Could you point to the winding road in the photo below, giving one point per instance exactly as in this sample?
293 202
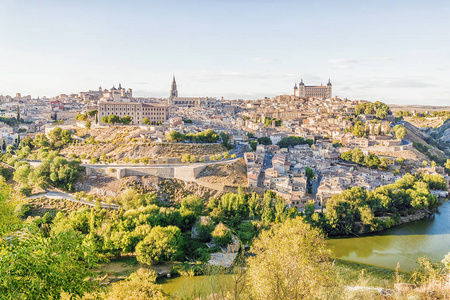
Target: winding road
61 195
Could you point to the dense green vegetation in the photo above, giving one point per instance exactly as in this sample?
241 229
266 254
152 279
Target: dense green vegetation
113 119
207 136
291 141
54 170
38 263
265 140
379 109
269 121
399 131
84 117
378 209
357 156
9 121
225 137
146 121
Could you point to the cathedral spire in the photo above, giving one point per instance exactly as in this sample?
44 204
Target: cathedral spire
173 90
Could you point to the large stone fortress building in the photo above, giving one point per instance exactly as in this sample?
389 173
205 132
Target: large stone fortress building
137 111
309 91
188 101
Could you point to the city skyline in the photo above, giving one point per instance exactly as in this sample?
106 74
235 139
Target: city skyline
393 52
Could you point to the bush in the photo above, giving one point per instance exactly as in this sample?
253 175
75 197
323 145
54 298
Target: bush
162 244
221 235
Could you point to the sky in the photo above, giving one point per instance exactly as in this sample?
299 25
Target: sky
394 51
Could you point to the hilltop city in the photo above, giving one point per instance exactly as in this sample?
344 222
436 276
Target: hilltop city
343 142
178 185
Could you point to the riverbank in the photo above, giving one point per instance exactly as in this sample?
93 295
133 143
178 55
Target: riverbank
406 219
419 236
189 287
347 274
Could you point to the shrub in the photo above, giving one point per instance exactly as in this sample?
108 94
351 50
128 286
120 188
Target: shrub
221 235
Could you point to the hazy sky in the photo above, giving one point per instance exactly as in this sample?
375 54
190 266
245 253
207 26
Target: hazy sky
394 51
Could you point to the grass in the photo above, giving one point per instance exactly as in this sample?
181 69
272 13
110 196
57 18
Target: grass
122 267
357 274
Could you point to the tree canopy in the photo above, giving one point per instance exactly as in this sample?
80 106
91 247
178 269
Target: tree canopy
291 141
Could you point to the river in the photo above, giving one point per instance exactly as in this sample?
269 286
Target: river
402 244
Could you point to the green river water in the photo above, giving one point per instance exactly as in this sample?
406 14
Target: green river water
402 244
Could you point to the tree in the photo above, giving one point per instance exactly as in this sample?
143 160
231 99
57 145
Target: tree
221 235
290 261
399 131
92 113
383 163
18 114
81 117
126 120
447 164
140 285
55 134
225 137
175 136
113 119
146 121
291 141
358 129
88 125
357 156
435 182
3 145
253 145
161 244
45 262
309 173
265 140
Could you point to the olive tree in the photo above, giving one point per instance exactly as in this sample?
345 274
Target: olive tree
290 262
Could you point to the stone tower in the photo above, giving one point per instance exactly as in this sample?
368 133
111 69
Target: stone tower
329 89
301 89
173 90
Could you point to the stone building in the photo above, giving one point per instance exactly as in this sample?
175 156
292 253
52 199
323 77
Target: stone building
137 111
309 91
188 101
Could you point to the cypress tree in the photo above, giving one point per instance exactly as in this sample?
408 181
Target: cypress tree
4 145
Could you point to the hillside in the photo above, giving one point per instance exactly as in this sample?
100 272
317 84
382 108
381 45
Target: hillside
212 182
425 143
120 142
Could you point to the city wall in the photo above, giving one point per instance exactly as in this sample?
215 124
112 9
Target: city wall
185 173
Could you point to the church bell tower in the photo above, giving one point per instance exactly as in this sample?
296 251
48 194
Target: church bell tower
173 90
